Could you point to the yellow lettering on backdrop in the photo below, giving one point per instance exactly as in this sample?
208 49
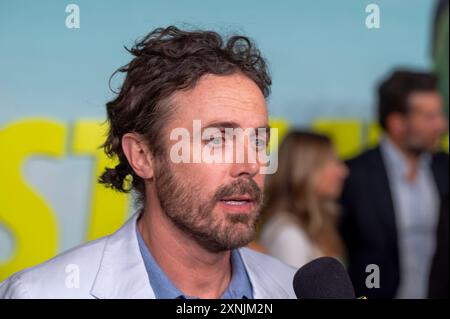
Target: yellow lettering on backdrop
108 209
282 126
374 133
345 134
23 211
445 143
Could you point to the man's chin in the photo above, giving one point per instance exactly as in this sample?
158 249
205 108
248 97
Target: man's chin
234 240
420 148
239 231
241 241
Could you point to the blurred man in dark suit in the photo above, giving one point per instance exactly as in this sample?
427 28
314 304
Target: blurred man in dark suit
392 197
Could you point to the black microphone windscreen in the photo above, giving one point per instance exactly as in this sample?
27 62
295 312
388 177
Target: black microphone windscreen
323 278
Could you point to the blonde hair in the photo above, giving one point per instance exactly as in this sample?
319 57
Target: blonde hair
291 189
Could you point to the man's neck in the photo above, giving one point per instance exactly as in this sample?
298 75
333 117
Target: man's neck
194 270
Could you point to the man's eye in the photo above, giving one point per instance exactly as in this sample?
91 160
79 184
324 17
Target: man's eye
259 143
216 140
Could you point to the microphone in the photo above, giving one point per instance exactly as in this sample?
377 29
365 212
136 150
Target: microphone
323 278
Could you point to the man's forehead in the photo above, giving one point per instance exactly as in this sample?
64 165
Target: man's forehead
230 99
425 100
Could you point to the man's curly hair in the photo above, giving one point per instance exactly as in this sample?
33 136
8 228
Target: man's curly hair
165 61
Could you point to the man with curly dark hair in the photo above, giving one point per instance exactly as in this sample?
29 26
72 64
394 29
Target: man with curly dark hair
195 214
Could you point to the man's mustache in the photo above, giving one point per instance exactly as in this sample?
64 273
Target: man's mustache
240 187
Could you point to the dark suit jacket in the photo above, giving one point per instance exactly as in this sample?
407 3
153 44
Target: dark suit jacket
439 277
368 225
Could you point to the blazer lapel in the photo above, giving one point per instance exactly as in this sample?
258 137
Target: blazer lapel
122 272
264 286
382 191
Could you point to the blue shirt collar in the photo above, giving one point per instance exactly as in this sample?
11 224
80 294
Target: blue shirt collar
240 286
397 161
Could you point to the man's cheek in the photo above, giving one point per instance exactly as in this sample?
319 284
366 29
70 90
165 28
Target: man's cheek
259 180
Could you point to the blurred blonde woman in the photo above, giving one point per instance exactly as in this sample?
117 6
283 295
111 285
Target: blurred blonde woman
300 212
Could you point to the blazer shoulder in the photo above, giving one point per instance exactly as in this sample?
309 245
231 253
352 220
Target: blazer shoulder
365 158
67 275
441 159
273 270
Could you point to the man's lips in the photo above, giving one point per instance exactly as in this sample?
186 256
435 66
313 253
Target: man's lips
238 203
238 198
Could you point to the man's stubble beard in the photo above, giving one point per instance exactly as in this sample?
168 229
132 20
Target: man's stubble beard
415 146
191 213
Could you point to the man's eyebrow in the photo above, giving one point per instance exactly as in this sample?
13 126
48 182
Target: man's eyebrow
221 125
230 124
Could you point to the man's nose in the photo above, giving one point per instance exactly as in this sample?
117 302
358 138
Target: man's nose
245 168
245 162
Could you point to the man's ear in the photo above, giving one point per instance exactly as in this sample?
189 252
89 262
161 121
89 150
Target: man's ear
138 155
396 122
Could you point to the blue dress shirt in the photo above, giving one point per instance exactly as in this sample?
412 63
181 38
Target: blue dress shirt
416 212
240 286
